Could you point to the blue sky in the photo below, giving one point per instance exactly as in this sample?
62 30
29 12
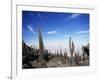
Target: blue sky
56 29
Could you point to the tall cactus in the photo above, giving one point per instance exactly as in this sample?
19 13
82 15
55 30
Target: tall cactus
71 48
60 50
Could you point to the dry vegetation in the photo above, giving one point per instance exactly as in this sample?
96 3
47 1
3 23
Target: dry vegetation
33 57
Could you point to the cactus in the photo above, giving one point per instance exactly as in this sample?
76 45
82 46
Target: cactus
71 48
65 54
57 53
61 52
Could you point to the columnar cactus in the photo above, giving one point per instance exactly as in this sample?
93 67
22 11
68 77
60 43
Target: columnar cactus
57 52
71 48
61 52
65 54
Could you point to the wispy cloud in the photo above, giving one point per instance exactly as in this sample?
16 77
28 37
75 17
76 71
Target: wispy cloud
31 29
51 32
82 32
74 16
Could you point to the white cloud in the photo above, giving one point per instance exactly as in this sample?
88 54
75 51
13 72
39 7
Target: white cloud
82 32
51 32
31 29
74 16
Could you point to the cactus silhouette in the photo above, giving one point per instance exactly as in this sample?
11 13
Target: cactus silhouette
71 48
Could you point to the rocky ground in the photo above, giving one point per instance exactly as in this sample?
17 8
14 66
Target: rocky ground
32 58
